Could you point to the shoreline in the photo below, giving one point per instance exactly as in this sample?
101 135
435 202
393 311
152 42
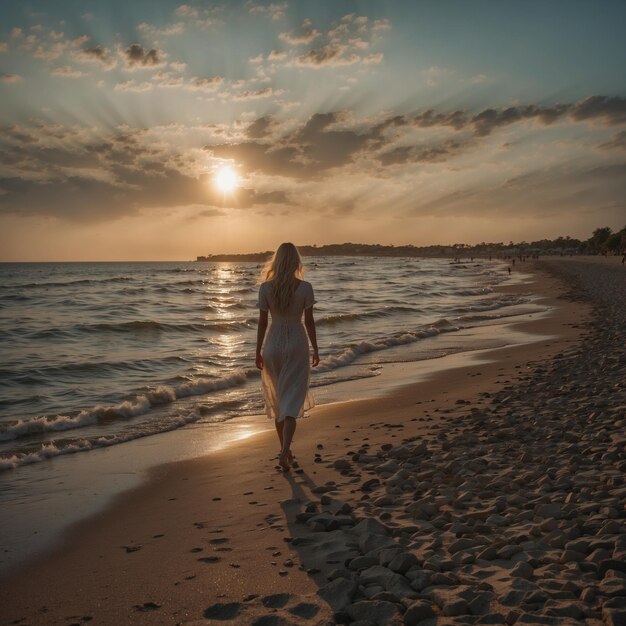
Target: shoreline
108 540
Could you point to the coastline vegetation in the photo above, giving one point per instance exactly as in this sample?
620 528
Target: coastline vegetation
602 241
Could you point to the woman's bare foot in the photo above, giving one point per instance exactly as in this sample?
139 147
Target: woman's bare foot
283 461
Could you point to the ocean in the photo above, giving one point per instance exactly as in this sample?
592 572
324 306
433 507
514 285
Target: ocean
107 369
97 354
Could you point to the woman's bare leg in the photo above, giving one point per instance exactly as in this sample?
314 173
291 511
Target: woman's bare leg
279 430
289 428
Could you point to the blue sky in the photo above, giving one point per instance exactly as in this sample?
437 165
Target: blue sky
390 122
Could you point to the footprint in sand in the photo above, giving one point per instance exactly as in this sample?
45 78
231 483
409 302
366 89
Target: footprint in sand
209 559
223 611
305 610
131 548
147 606
196 549
276 600
219 540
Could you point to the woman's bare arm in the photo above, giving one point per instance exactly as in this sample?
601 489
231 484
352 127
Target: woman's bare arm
260 336
309 323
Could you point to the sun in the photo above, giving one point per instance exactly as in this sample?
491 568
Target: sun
226 179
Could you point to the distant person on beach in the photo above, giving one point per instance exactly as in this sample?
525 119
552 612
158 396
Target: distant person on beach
284 357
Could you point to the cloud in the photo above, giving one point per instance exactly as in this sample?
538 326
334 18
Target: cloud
326 56
605 110
10 78
54 45
609 110
131 85
306 35
309 151
138 57
266 92
261 128
176 28
489 119
67 71
96 54
205 84
72 173
422 154
347 42
276 55
617 142
373 58
275 10
186 10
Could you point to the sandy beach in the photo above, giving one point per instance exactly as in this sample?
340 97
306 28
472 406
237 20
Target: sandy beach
488 494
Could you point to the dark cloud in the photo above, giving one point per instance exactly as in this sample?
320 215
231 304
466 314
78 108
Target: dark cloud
138 56
617 142
607 110
422 154
429 118
96 54
205 84
305 152
329 55
489 119
260 128
610 110
320 145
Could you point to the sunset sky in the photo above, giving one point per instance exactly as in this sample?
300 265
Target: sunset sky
375 121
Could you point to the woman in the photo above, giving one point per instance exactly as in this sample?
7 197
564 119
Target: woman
284 359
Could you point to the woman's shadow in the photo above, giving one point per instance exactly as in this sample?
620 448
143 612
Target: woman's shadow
318 551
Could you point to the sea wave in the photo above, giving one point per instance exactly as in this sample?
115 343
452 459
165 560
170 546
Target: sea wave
349 354
47 373
67 283
53 449
142 403
137 326
350 317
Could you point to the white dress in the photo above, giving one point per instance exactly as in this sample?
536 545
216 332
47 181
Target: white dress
286 365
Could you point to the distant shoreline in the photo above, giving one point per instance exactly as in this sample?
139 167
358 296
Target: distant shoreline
377 250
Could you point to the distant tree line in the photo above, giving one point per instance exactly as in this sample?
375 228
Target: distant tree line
605 241
602 241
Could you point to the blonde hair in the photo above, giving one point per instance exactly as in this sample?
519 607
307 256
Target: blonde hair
284 270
